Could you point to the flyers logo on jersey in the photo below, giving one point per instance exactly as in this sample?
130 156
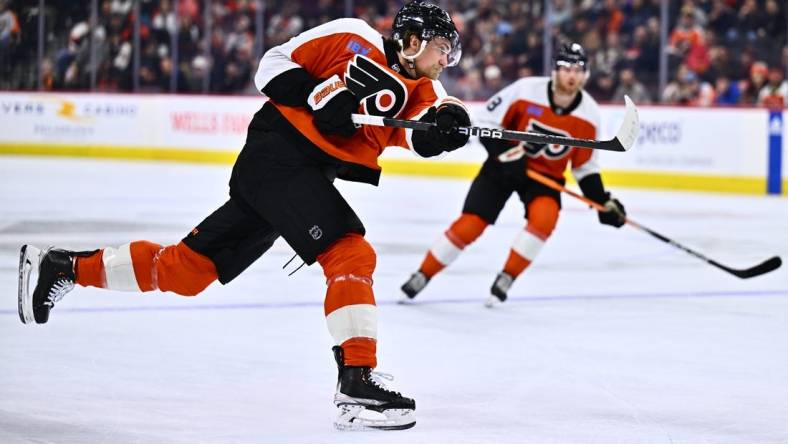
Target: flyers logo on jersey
380 92
548 150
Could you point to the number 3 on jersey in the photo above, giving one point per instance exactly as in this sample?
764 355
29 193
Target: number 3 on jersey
380 92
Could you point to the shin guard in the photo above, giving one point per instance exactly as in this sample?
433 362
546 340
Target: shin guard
350 308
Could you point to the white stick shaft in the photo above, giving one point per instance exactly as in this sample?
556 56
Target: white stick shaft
364 119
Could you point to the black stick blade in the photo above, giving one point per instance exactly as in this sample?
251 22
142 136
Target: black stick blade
764 267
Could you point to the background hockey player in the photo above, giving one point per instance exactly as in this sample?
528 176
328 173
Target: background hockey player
556 105
281 185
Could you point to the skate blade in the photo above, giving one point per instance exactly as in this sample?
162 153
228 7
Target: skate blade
492 302
29 257
404 299
354 418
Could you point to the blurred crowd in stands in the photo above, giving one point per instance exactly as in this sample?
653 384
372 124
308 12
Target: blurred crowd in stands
719 52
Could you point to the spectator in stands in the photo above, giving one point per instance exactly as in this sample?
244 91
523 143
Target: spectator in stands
9 42
628 85
720 64
608 57
636 14
470 86
751 87
492 79
722 21
775 93
716 39
686 34
285 24
644 53
9 26
164 21
697 57
165 68
750 20
602 85
726 92
688 89
47 75
70 60
774 22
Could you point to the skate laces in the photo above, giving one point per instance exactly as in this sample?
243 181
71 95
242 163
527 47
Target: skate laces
379 378
59 289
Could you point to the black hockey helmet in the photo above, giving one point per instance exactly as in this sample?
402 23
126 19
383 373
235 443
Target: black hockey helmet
571 54
427 21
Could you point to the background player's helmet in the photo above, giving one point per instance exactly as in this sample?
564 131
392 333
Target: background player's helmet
571 54
427 21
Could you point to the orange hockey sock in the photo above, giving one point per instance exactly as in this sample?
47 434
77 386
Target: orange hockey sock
466 229
431 266
515 264
146 266
542 218
349 306
89 270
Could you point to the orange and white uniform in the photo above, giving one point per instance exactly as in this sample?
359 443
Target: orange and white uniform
352 50
281 182
525 105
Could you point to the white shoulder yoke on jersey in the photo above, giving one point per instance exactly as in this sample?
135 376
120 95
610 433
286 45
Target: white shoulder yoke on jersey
279 58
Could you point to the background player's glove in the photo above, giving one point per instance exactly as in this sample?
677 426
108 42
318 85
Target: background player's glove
447 116
512 158
332 104
614 213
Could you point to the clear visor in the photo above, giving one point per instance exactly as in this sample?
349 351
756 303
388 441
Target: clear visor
569 65
450 46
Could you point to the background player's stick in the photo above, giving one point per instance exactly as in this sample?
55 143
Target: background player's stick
757 270
627 133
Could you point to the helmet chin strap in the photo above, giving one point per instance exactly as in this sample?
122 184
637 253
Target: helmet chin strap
410 59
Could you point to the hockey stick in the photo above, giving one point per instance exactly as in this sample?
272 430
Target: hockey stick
627 133
766 266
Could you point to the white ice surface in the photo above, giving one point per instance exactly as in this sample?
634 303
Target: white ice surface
610 337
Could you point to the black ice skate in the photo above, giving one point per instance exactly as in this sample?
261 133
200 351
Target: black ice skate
54 271
413 286
364 403
501 286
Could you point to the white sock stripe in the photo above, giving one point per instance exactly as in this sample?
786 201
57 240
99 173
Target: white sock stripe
527 245
353 321
444 250
118 269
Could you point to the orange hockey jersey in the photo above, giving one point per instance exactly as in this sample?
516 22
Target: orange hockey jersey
355 52
525 106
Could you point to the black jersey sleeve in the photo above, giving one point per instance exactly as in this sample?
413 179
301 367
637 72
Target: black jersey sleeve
291 87
592 188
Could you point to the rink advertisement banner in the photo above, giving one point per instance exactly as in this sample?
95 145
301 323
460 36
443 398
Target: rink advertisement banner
119 120
693 148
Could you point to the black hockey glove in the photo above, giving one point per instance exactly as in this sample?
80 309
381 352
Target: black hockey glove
505 152
614 213
332 104
443 137
448 117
